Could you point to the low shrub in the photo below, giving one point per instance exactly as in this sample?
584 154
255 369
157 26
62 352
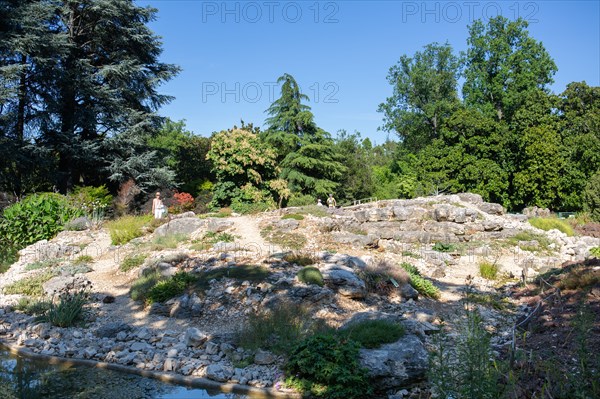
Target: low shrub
552 223
380 277
310 275
68 309
140 287
293 216
443 247
32 307
36 217
580 279
131 262
314 210
83 259
520 239
299 259
595 252
419 283
374 333
31 286
278 330
126 228
44 264
293 241
300 200
73 269
170 241
171 287
327 366
9 254
488 270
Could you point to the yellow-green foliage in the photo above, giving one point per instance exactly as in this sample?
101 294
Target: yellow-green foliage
310 275
31 286
552 223
595 252
132 261
127 228
488 270
167 241
419 283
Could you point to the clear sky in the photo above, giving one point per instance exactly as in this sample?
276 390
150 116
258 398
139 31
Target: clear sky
339 52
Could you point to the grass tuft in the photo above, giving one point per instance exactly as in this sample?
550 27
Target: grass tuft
552 223
488 270
131 262
374 333
127 228
31 286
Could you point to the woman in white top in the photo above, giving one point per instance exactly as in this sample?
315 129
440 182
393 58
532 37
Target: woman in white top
158 208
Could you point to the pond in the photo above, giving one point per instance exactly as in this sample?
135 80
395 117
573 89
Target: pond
24 378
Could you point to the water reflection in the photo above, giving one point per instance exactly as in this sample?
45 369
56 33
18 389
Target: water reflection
23 378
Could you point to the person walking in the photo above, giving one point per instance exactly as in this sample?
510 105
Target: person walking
331 201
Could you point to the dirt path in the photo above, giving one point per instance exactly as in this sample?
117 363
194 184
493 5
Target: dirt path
248 236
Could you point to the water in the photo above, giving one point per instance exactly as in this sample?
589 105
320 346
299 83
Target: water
23 378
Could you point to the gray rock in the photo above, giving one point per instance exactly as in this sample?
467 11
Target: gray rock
160 309
79 224
183 215
286 225
492 209
183 226
139 346
264 357
170 364
111 330
60 283
212 348
408 292
218 225
343 279
219 372
471 198
354 239
194 337
397 364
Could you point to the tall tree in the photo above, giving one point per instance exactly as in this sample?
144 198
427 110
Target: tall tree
94 74
425 94
502 65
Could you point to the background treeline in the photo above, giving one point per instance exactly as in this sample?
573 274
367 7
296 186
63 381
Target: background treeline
79 95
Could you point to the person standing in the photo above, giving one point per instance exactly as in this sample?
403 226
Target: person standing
319 203
158 208
331 201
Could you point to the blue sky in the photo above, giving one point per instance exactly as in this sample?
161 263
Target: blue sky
339 52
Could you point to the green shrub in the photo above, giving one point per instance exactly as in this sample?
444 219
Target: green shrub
470 373
32 307
73 269
419 283
44 264
37 217
293 216
173 286
67 310
374 333
8 255
140 287
31 286
131 262
252 273
91 199
310 275
83 259
488 270
167 241
552 223
326 365
444 247
595 252
278 330
314 210
527 236
301 200
127 228
299 259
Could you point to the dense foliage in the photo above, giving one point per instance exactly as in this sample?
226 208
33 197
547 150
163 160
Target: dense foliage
79 96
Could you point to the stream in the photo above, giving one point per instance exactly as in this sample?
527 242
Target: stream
24 378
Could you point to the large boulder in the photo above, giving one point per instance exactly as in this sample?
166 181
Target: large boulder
397 364
185 226
343 280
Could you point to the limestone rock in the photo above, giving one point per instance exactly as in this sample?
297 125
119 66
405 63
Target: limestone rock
185 226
